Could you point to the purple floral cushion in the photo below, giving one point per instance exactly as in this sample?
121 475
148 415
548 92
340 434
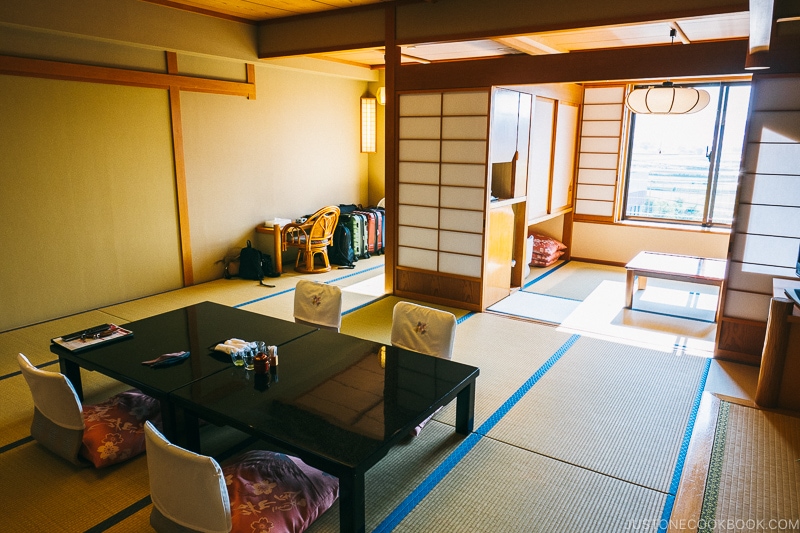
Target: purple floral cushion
273 492
115 428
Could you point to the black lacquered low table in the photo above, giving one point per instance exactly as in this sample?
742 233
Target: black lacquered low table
337 402
196 329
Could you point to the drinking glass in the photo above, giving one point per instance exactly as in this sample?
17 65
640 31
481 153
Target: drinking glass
247 357
236 357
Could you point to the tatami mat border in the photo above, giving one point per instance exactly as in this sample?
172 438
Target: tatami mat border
327 282
554 296
18 372
687 436
120 516
539 278
424 488
670 315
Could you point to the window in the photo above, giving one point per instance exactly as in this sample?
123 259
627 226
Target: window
684 168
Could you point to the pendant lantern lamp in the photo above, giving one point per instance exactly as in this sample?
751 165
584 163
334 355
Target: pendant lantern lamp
666 99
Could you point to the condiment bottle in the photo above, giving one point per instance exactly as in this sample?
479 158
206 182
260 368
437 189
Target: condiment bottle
273 356
261 362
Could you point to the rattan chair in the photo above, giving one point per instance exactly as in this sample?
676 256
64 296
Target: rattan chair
311 238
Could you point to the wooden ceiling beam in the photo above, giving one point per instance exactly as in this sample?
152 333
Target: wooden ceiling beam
702 59
40 68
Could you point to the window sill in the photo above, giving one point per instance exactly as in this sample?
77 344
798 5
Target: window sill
671 226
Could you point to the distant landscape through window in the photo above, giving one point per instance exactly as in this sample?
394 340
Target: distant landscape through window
675 173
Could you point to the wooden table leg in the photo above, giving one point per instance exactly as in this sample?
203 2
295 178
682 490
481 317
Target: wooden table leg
352 514
72 371
276 236
629 289
465 410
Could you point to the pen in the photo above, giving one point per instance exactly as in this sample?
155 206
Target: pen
85 332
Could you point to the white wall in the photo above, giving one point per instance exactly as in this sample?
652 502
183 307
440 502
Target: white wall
619 243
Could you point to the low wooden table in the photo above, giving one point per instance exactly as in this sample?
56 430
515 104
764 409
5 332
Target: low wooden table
275 230
676 268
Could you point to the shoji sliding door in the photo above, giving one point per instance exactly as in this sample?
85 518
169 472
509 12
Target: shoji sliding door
442 176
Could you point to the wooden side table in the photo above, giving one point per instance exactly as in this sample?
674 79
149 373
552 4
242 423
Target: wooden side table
275 230
676 268
780 359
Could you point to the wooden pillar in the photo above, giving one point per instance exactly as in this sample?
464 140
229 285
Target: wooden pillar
774 354
180 172
392 62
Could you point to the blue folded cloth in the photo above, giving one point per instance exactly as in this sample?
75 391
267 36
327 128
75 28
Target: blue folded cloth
166 360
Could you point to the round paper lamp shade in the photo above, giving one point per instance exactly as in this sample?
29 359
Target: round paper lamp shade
667 100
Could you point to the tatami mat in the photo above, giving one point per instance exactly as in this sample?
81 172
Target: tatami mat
582 450
573 280
614 409
603 314
502 488
755 477
507 351
539 307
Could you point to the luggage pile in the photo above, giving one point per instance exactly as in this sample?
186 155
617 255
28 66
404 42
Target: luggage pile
359 234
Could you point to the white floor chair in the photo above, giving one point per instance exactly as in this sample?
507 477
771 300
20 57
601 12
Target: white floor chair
318 304
424 330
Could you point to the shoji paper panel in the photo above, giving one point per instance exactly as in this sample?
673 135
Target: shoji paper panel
421 105
463 197
766 236
463 265
598 161
411 215
420 128
466 103
464 128
419 150
419 194
460 220
463 175
462 243
410 172
418 237
416 258
442 175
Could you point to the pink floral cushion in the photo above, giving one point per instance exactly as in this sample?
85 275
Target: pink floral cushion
544 245
541 260
273 492
115 428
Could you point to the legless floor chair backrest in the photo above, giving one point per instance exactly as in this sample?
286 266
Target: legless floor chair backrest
187 489
257 491
318 304
57 417
102 434
424 330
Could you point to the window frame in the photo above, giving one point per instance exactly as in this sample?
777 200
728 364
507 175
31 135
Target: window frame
714 168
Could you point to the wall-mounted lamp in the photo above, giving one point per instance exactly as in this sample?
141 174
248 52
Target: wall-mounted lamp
368 124
381 95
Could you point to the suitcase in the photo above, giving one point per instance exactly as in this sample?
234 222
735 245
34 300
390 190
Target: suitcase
380 230
356 224
371 226
363 224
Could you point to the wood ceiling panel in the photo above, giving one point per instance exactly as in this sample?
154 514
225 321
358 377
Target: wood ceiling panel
716 28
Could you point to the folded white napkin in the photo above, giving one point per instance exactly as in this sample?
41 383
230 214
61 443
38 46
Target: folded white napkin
234 345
